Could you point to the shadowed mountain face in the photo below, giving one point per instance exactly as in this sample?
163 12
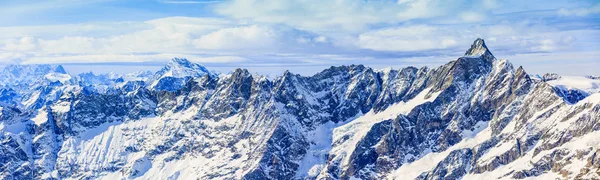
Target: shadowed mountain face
474 117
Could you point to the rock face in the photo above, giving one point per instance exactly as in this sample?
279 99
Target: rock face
570 95
474 117
550 76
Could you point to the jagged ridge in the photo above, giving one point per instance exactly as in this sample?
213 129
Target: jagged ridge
476 116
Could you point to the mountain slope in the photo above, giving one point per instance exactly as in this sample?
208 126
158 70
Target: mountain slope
474 117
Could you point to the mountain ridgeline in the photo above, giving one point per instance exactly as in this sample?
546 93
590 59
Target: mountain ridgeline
474 117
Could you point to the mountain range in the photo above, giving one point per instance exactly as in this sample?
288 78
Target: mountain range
474 117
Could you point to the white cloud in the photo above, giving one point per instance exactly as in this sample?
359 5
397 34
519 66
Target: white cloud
501 30
321 39
146 41
546 45
416 9
595 9
472 17
69 44
251 31
317 15
317 39
408 38
111 58
22 44
248 37
503 38
490 4
352 15
219 37
174 35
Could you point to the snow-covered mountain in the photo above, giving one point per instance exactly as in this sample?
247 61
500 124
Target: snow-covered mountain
571 88
176 73
475 117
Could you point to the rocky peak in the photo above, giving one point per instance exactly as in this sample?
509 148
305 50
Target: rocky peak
522 74
183 62
241 72
550 76
242 81
479 49
176 73
181 67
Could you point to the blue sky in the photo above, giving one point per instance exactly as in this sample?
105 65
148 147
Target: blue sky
304 36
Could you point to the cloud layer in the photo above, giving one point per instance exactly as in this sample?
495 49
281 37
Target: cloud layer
311 33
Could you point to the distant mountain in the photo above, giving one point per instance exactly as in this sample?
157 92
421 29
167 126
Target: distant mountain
476 117
138 76
572 88
181 67
27 74
176 73
550 77
593 77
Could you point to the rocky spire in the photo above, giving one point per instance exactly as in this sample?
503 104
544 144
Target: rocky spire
479 49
